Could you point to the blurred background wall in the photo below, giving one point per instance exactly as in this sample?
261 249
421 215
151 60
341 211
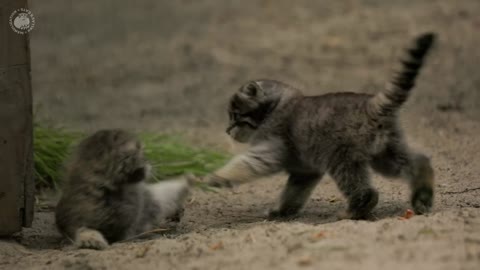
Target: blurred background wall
171 65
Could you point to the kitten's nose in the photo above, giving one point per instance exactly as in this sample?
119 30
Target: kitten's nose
137 175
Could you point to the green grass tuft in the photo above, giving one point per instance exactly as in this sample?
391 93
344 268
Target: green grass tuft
168 155
51 148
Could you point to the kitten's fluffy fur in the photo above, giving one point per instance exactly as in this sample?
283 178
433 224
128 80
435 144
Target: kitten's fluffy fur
105 198
342 134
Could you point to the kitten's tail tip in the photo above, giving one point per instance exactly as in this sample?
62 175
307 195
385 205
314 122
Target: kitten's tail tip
426 39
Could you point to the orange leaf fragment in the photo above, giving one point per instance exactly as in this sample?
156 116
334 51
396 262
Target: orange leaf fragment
319 235
217 246
408 214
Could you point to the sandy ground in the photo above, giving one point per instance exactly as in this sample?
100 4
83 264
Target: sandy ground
170 66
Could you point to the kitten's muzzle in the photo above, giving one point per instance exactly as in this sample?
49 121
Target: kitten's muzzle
230 127
240 124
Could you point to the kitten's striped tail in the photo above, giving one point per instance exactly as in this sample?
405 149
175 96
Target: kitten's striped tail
387 102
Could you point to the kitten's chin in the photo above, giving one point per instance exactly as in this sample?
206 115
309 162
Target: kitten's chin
241 135
240 139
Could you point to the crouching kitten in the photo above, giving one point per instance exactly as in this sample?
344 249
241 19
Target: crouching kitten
105 198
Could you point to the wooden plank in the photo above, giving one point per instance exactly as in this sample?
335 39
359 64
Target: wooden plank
16 154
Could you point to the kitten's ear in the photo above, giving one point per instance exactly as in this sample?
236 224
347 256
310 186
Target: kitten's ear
251 89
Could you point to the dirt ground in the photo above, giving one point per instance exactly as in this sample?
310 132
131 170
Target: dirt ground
170 66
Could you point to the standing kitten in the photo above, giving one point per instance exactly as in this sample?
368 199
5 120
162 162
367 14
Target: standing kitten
338 133
105 198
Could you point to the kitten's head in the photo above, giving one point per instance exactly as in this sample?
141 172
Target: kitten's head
248 108
115 155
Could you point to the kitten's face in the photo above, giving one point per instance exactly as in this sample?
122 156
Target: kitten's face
115 154
247 110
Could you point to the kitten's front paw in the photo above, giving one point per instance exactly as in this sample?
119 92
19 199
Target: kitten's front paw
275 213
191 179
217 181
91 239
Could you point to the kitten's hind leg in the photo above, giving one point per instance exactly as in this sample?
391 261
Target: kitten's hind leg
353 180
397 161
422 181
89 238
295 194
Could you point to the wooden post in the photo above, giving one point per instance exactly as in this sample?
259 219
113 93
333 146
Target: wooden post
16 154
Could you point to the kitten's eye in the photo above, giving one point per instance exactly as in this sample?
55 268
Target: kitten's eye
251 90
235 116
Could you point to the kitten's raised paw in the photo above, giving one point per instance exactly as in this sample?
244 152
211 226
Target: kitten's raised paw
422 200
177 216
91 239
191 179
216 181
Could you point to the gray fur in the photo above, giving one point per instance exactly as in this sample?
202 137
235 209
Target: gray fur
342 134
105 198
